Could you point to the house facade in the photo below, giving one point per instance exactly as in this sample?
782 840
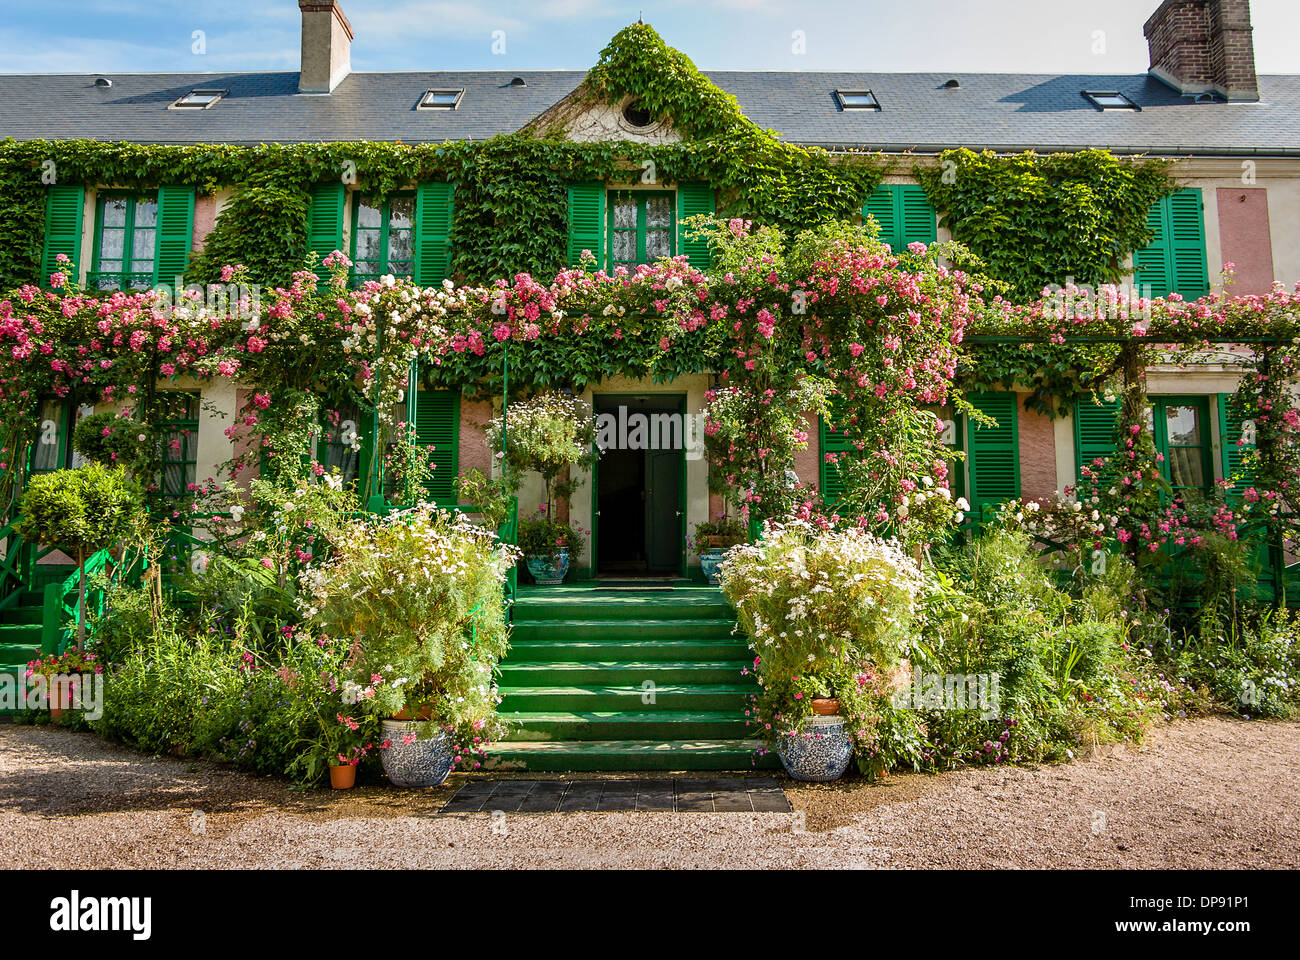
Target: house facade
1234 138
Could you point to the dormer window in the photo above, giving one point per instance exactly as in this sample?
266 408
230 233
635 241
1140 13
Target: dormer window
198 99
441 99
857 100
1109 100
637 115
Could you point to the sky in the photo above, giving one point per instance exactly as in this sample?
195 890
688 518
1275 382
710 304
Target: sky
990 36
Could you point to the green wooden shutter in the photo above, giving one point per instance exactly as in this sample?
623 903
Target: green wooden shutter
1187 233
1232 451
437 423
175 236
880 207
586 221
693 199
325 223
1094 430
904 213
63 210
830 483
1175 260
434 209
916 215
1151 263
994 452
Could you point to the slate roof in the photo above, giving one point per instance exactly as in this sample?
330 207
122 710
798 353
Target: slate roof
1000 111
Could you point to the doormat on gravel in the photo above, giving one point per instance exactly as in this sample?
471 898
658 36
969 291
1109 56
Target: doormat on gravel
716 795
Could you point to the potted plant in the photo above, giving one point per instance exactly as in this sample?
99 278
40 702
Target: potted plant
84 511
549 434
420 591
547 545
712 539
61 676
824 702
828 612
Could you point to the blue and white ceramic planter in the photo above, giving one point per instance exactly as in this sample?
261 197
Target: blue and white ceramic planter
819 752
710 561
420 763
549 571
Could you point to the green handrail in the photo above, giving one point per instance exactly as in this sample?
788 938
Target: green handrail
57 632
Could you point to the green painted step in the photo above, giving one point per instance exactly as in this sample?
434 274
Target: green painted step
596 697
580 603
23 614
20 633
18 654
569 755
625 650
622 725
662 628
621 674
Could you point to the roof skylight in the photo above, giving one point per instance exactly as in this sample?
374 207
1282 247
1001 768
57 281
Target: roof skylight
198 99
857 100
441 99
1109 100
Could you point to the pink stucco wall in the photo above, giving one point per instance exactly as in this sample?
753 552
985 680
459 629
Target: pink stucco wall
246 442
205 218
1037 453
807 463
1244 238
474 453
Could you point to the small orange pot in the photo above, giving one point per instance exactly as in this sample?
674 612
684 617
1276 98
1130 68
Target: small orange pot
343 776
60 696
826 706
424 713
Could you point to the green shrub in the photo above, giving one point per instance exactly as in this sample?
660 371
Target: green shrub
112 439
1066 679
82 511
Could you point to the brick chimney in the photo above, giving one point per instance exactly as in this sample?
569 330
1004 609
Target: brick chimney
326 46
1204 46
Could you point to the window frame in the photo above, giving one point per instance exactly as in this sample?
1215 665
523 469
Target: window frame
187 429
326 443
1160 404
642 197
841 97
385 227
1126 102
185 103
425 101
95 274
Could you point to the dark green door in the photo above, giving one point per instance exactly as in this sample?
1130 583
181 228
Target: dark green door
663 527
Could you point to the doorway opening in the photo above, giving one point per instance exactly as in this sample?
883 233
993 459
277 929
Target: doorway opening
639 486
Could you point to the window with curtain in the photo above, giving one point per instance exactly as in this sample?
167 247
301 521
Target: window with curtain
179 417
126 229
383 237
642 227
1181 429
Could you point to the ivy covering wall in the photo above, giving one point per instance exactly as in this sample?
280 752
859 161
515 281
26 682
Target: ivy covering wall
1029 220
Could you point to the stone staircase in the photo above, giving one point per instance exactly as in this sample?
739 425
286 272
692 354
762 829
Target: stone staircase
616 678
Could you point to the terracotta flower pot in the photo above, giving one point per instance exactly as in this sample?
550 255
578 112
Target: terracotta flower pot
407 713
826 706
60 696
343 776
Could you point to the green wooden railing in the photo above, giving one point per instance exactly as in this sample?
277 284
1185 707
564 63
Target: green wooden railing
14 569
57 610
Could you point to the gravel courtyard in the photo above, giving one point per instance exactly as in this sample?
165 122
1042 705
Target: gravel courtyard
1210 793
